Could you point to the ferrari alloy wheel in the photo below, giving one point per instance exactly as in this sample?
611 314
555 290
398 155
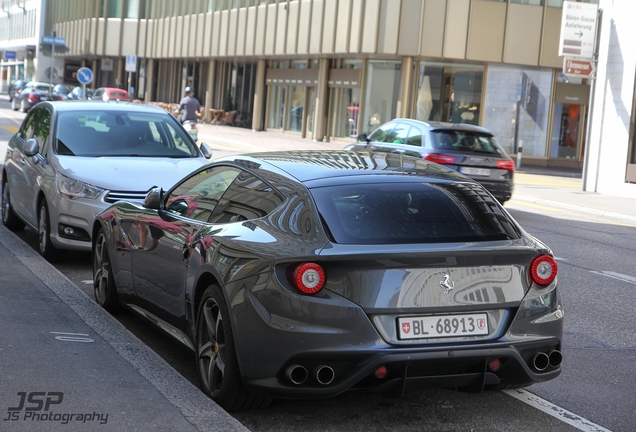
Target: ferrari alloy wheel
216 357
103 282
9 218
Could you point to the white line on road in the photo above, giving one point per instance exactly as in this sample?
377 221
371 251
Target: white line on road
621 277
87 282
555 411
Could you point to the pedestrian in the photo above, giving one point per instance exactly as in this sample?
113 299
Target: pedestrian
189 106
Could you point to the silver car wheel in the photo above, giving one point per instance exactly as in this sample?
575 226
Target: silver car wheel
23 107
14 105
43 228
9 218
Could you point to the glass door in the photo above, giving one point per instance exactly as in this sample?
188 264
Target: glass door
566 131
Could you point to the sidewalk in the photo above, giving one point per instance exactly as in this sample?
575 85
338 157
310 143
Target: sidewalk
67 365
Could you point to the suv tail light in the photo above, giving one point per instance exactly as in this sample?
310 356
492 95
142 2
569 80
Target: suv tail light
543 269
440 158
506 164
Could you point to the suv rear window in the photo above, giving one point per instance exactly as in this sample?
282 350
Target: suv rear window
401 213
465 141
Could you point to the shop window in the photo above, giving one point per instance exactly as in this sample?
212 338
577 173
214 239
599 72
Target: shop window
449 93
518 102
381 93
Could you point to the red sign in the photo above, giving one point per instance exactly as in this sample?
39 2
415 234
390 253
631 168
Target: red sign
580 68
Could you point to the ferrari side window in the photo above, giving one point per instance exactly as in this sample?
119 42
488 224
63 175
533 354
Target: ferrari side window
247 198
197 196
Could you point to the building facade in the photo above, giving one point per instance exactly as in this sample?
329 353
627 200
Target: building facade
332 69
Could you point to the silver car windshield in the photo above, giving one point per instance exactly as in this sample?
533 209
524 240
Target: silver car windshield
119 133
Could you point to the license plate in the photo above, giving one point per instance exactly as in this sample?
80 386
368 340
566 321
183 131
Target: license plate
424 327
44 98
475 171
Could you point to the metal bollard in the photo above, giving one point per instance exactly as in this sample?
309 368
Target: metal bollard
519 154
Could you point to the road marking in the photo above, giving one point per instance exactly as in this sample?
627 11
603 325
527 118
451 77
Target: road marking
72 337
621 277
11 129
563 213
87 282
555 411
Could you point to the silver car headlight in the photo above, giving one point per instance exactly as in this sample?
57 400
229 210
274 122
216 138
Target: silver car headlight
73 189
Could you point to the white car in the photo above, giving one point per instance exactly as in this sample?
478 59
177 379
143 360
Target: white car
70 160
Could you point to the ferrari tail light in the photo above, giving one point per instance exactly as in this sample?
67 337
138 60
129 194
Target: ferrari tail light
543 269
440 158
32 98
506 164
309 278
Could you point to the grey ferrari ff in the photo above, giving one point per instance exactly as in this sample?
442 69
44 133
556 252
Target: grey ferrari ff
306 274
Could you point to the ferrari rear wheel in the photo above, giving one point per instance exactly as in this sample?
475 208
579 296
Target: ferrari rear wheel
14 104
103 282
217 365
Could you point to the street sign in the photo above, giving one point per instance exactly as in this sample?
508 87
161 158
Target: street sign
578 29
52 40
131 63
85 75
578 67
9 55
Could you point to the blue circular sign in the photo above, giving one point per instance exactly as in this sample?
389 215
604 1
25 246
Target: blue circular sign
85 75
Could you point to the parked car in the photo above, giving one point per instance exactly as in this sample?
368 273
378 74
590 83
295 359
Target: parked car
471 150
306 274
77 93
32 93
62 90
70 160
15 87
109 94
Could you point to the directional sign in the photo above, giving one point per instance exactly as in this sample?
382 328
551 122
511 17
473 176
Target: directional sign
9 55
131 63
52 40
85 75
578 29
578 67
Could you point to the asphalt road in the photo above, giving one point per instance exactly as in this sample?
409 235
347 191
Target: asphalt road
594 392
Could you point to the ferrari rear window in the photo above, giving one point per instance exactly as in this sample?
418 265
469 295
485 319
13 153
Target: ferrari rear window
412 213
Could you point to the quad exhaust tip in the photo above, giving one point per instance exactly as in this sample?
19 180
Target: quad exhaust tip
297 374
324 374
541 361
555 358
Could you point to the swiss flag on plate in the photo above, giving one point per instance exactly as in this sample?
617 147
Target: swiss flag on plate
406 328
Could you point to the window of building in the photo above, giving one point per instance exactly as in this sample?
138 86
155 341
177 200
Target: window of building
559 3
528 2
381 93
518 102
448 92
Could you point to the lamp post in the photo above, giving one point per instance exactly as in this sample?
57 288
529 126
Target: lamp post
53 34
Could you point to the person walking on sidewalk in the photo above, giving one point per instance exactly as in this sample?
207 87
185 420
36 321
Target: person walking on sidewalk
189 106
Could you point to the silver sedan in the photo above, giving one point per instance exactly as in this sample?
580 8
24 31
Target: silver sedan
70 160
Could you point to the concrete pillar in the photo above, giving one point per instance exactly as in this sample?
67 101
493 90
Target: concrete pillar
150 80
404 102
258 111
322 96
209 93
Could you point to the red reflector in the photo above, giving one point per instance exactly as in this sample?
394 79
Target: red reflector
494 365
440 159
309 278
543 269
506 164
380 372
